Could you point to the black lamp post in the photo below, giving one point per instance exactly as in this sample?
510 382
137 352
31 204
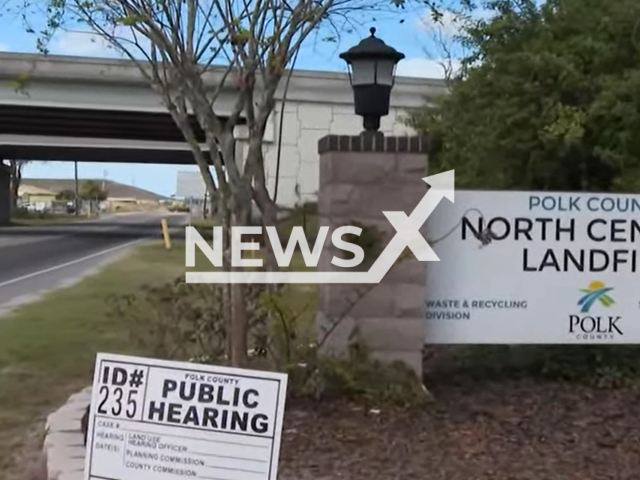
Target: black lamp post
372 65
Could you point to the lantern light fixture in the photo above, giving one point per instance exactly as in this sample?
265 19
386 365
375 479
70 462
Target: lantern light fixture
372 64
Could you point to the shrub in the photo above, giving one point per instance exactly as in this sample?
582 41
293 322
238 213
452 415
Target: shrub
355 376
598 365
359 378
23 213
179 208
183 321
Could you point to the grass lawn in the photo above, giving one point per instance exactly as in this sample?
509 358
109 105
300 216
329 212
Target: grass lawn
47 348
487 427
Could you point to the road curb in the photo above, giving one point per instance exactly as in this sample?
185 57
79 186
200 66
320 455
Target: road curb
63 444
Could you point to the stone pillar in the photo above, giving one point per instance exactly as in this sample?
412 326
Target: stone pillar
5 195
360 177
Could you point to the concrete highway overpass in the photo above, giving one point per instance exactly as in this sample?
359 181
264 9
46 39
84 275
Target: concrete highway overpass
101 110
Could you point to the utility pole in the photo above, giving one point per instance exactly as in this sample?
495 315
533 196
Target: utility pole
76 202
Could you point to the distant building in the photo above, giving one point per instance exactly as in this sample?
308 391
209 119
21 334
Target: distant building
119 196
37 197
190 185
192 191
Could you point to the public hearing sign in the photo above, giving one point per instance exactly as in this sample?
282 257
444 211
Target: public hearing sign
533 267
160 420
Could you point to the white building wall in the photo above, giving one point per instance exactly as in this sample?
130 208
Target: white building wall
303 125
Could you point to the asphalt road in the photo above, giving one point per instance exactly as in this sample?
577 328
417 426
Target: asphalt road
35 259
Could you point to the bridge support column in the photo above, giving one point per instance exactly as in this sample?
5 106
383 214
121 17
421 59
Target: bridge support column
5 194
360 177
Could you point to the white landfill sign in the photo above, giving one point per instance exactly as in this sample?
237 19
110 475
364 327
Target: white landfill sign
160 420
534 268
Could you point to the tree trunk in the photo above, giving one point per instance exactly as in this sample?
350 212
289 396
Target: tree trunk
239 330
226 266
270 219
239 327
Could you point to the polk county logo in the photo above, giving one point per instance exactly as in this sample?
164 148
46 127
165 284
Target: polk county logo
594 327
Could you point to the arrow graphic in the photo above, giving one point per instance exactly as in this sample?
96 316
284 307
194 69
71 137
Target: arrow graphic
407 235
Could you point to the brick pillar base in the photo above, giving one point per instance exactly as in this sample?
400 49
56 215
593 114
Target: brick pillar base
360 177
5 195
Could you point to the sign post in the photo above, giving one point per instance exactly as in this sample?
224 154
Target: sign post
161 420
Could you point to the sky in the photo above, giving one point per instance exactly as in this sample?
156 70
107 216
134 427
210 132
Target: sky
416 36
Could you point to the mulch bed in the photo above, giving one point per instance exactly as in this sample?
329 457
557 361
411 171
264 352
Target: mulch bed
507 430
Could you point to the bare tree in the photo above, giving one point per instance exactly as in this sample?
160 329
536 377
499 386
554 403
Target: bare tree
190 51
